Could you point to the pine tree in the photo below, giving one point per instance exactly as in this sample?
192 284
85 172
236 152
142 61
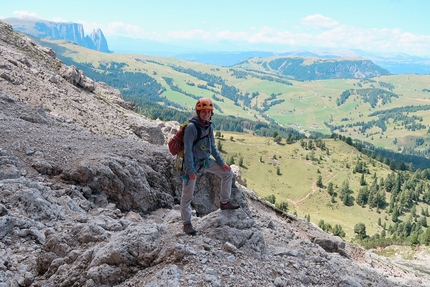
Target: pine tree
345 192
395 215
330 189
319 181
289 138
271 198
360 230
283 206
362 196
427 236
231 160
362 180
219 146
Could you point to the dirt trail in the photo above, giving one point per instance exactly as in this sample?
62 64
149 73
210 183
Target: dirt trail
329 176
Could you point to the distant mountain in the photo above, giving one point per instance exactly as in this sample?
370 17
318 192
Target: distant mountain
395 64
60 31
403 64
227 59
313 68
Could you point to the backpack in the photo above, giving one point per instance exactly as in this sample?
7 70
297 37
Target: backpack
176 143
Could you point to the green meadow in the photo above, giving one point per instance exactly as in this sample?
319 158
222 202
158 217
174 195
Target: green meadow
296 181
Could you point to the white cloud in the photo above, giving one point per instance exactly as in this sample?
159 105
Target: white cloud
333 35
389 40
117 29
319 21
59 19
192 34
20 13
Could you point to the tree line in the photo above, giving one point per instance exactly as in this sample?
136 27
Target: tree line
369 95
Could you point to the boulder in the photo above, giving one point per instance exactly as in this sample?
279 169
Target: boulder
235 227
9 167
207 198
125 181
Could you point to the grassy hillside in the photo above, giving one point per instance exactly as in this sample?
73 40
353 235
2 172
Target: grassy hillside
319 105
296 181
290 173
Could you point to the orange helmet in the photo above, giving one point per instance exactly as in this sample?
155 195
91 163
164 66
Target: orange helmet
204 104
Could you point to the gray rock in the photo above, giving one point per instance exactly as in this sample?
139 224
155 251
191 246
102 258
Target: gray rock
122 180
6 225
37 204
288 252
90 233
229 247
168 276
3 210
9 167
71 74
33 233
206 195
233 226
279 282
332 244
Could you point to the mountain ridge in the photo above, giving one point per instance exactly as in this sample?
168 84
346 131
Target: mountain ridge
395 64
305 68
60 31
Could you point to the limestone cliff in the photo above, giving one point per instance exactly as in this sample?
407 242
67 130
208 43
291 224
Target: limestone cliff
60 31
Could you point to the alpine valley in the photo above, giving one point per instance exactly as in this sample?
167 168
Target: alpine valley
330 156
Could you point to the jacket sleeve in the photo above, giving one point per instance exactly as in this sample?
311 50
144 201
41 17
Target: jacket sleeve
189 137
214 151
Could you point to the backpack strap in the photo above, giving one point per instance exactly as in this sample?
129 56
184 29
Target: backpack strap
198 138
199 134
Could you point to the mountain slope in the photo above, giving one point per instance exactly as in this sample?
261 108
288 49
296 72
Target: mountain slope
395 64
89 198
309 69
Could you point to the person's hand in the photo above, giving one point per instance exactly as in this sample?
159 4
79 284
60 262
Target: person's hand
226 167
192 176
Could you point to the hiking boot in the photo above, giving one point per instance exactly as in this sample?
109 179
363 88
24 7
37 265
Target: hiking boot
228 205
188 229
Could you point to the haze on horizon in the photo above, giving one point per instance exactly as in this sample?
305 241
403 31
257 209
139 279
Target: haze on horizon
384 26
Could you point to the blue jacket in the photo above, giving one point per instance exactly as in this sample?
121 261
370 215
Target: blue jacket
195 156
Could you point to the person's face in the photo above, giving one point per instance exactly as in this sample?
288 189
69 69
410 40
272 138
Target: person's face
205 115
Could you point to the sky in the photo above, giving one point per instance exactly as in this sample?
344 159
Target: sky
387 26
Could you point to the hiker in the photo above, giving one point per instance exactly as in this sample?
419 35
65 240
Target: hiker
197 160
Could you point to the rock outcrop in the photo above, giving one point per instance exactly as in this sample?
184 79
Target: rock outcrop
89 197
60 31
97 41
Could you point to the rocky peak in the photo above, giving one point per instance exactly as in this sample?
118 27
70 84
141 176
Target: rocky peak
60 31
89 197
97 41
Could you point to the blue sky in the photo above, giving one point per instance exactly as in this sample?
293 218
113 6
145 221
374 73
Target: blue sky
394 26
